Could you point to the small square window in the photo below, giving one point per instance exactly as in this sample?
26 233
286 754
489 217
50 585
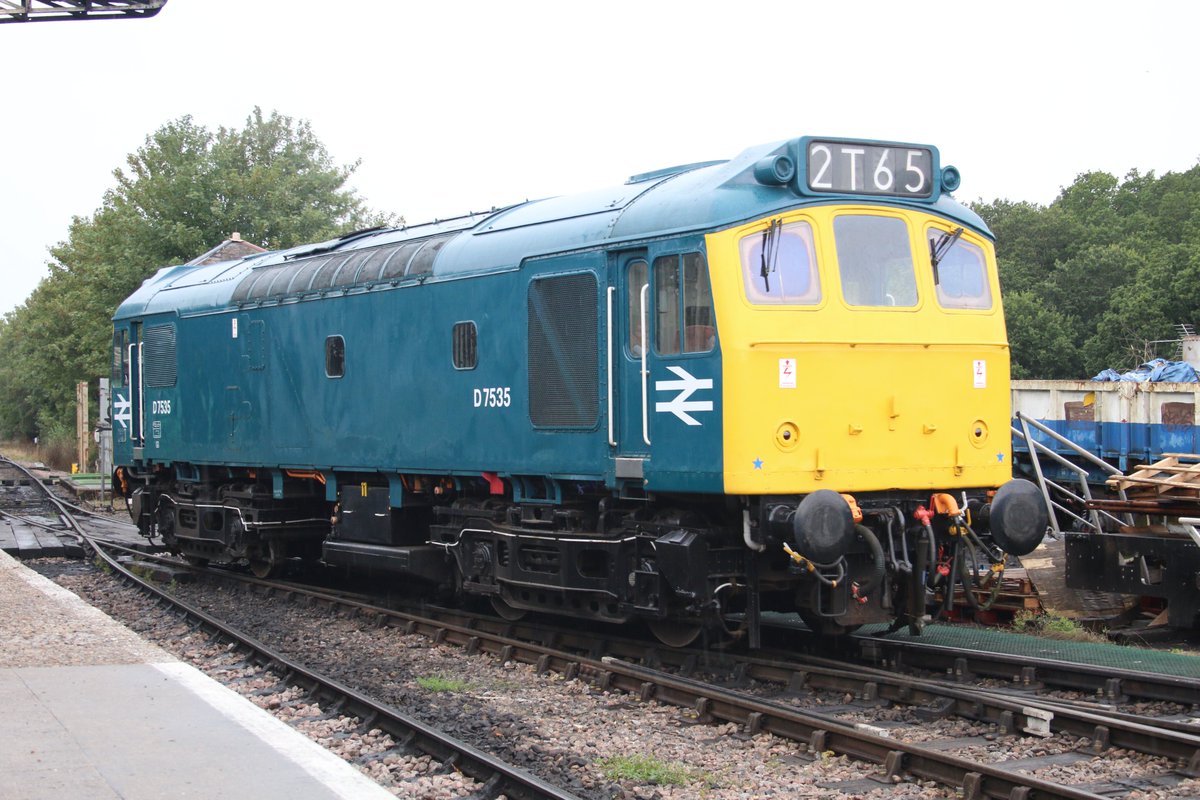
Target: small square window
335 356
465 353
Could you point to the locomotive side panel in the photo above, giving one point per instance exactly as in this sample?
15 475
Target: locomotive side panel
368 383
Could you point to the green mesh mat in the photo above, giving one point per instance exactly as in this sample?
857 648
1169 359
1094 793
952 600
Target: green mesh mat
1134 659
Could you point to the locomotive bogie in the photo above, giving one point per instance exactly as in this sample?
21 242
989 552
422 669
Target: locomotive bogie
230 520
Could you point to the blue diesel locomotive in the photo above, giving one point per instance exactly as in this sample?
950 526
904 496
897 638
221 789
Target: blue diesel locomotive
778 382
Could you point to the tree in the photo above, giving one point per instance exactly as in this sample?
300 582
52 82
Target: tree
1029 239
1111 264
1040 338
182 192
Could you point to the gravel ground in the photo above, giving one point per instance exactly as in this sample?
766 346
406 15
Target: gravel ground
568 732
39 626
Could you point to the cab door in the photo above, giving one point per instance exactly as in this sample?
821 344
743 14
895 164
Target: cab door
630 354
137 394
666 367
127 397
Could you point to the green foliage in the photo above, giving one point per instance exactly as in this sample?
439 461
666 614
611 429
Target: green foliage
439 683
1101 276
185 190
1039 335
645 770
1052 626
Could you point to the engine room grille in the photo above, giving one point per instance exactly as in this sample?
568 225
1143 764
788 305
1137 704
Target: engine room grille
159 363
345 270
464 345
564 382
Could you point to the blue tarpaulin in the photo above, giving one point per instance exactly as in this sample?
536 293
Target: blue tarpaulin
1157 370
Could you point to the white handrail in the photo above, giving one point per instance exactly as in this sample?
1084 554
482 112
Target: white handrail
141 395
612 437
645 373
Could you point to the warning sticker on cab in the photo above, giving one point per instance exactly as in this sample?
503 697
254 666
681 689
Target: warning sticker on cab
787 373
979 370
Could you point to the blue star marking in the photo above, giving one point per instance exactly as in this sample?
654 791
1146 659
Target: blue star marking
758 462
1000 457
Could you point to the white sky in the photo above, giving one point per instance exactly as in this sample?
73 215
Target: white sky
459 106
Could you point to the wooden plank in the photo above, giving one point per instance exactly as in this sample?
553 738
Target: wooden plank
1161 477
1150 470
71 547
1003 601
8 539
51 546
1148 482
26 541
1181 468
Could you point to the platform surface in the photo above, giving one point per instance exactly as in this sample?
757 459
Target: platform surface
92 711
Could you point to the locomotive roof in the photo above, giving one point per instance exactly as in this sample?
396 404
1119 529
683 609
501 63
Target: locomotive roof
693 197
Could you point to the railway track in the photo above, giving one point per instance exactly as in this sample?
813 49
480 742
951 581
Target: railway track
1109 682
649 672
620 664
493 777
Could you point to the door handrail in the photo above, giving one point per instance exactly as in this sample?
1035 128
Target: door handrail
612 435
645 293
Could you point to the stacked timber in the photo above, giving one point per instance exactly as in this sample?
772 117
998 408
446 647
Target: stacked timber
1175 475
1169 486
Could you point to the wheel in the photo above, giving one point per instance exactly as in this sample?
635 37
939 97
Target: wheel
673 633
262 567
268 564
507 612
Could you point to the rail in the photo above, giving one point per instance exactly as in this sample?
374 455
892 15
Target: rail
612 663
496 776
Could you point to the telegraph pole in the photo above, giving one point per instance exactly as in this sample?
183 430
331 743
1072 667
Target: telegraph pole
104 438
82 431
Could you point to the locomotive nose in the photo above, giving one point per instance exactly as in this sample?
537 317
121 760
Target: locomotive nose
1018 517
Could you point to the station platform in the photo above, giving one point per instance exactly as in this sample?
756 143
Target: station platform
90 710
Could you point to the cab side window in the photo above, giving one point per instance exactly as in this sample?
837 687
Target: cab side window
683 318
636 277
666 305
120 350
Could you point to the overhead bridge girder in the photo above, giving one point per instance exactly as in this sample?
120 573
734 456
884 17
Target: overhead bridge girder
65 10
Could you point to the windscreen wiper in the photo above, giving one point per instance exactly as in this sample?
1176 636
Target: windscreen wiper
939 247
770 251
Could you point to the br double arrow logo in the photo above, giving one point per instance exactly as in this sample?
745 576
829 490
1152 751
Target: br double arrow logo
122 411
687 385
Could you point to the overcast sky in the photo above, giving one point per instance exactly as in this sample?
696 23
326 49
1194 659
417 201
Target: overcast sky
458 106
